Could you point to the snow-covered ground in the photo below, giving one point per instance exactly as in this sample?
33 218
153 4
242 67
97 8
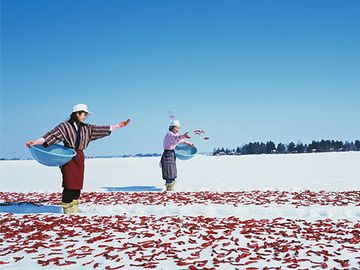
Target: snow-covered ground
229 212
320 171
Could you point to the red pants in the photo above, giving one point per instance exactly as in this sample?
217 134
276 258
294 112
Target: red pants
73 172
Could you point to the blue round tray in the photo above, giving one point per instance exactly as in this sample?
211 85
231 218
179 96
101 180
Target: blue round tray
54 155
185 152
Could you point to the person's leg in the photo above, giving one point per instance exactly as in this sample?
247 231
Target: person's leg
66 201
67 195
70 201
77 194
76 201
170 183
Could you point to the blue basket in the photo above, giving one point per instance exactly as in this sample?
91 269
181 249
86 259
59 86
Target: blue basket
184 151
54 155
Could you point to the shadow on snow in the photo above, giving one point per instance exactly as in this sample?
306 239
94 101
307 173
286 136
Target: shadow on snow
28 208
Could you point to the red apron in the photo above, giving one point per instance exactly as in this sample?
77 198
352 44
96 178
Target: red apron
73 172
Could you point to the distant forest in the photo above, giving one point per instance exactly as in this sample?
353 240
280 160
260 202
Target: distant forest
270 148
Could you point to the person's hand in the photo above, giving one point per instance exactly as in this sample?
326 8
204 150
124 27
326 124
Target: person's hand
190 144
29 143
124 123
35 142
120 125
186 135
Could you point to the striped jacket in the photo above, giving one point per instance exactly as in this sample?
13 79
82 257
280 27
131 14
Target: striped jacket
66 132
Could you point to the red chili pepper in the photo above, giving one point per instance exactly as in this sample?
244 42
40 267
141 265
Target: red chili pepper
114 268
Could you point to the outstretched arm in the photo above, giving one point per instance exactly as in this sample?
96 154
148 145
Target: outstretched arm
53 136
98 132
184 137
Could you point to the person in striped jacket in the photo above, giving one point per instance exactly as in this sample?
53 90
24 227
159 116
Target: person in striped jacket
76 134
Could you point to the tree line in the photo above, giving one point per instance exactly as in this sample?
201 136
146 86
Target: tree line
271 148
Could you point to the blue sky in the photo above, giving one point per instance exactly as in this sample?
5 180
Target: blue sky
240 70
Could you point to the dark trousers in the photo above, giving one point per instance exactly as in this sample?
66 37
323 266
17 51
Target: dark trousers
169 181
68 195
